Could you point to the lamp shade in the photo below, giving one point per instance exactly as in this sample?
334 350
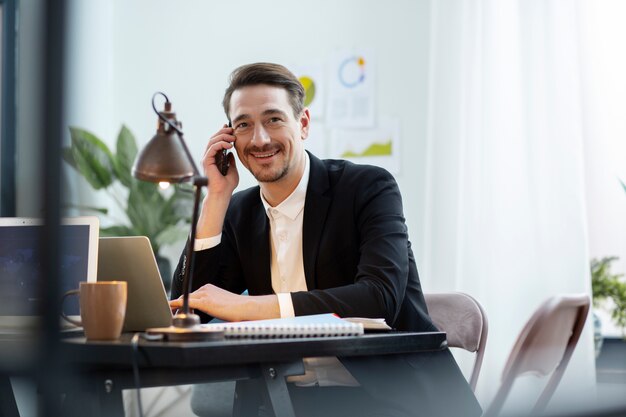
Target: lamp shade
164 158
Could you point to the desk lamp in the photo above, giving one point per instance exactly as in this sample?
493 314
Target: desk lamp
166 159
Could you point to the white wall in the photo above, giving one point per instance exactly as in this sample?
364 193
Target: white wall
121 52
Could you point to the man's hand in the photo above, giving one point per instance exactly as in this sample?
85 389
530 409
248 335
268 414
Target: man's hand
225 305
220 187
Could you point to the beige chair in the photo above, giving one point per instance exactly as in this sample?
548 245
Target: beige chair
544 347
464 321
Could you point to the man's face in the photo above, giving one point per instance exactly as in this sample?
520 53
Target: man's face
269 138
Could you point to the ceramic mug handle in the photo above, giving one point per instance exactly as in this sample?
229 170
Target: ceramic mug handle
74 322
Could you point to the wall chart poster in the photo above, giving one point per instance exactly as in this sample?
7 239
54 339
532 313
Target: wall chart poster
373 146
312 78
351 94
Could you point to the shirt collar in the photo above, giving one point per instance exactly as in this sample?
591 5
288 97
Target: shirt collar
294 204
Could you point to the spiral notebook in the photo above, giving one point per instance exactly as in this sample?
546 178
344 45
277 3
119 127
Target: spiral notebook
317 325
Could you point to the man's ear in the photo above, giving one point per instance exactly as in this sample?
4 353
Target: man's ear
305 122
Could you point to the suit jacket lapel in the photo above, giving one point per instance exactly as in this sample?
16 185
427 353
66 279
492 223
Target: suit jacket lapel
315 211
260 255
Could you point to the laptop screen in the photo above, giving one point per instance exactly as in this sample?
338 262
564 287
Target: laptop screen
21 264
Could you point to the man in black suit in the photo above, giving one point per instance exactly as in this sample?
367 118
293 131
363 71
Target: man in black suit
313 237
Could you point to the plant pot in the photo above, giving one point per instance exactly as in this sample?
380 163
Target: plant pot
611 364
597 334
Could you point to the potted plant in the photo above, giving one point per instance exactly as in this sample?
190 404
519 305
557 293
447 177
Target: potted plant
162 216
609 286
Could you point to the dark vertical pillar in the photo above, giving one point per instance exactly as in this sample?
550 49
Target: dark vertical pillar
9 119
51 371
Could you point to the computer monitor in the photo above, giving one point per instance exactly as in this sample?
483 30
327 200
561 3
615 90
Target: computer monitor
21 268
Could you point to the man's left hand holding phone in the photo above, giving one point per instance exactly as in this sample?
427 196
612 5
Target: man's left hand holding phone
220 187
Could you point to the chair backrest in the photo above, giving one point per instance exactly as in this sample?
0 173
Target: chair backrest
464 321
544 346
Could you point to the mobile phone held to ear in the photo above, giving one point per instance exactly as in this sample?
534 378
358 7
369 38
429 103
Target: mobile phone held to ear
221 159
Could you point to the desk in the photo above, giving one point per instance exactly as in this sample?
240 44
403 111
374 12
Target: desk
104 369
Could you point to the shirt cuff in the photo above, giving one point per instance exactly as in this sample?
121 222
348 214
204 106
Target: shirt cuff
286 305
207 243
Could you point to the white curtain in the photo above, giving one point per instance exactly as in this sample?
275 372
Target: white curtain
505 213
604 77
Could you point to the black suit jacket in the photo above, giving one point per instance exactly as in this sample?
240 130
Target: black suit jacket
357 256
357 262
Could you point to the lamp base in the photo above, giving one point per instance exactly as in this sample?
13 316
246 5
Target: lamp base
185 320
186 328
187 334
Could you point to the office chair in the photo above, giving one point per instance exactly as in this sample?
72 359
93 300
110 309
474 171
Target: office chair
214 399
464 321
544 346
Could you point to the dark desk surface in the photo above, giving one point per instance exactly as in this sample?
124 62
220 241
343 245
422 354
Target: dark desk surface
106 366
101 370
159 354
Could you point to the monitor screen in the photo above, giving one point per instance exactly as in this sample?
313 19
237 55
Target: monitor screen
21 266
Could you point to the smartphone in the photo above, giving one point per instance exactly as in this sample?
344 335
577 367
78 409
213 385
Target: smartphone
221 159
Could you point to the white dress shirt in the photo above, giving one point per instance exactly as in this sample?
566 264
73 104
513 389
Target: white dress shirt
287 266
287 271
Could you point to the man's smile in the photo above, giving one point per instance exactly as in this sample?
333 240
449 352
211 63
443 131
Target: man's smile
265 154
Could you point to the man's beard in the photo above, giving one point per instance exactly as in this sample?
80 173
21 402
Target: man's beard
268 174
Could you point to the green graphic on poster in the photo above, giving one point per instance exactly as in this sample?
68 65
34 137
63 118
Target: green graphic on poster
375 149
309 89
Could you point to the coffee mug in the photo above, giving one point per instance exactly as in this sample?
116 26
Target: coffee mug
102 309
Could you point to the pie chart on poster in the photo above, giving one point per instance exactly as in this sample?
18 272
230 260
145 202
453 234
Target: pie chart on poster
352 71
309 89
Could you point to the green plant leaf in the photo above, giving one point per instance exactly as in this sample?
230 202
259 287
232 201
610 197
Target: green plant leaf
102 210
623 185
179 206
145 207
93 158
162 220
68 157
609 286
172 234
126 154
601 278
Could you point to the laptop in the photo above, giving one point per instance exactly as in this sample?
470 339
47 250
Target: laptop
20 266
131 259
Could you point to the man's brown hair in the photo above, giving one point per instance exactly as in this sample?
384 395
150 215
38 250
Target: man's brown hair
269 74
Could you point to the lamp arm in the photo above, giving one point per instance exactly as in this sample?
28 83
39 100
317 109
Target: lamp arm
185 326
198 183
